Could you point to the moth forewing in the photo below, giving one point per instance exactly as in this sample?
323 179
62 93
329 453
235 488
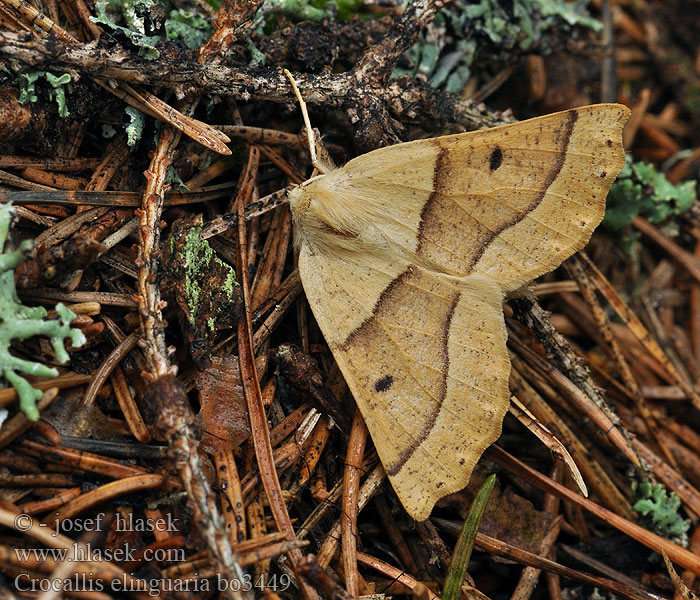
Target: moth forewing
406 253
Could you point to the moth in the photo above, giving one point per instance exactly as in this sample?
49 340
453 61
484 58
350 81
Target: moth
406 254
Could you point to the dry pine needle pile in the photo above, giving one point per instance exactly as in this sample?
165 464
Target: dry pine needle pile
247 353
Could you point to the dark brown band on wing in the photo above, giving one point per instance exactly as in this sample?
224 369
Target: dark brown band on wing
563 140
386 292
439 171
407 452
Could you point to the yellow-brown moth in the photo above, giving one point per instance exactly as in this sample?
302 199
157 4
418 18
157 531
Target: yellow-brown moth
406 254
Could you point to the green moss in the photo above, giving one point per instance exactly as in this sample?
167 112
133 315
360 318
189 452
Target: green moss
199 287
19 322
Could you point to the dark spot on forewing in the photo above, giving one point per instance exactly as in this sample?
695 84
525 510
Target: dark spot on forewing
496 159
383 384
434 230
562 145
393 468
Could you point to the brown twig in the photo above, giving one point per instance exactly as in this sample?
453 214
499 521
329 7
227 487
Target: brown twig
98 569
105 492
597 412
401 99
528 578
258 421
392 573
636 325
594 475
583 388
107 366
588 294
368 489
19 423
351 487
507 551
165 393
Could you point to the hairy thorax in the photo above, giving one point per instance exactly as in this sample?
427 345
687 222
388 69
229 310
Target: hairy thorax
329 218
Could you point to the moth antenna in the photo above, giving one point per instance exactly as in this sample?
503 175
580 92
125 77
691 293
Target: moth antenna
318 165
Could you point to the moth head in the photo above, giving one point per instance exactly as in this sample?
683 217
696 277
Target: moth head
327 212
303 202
312 202
299 201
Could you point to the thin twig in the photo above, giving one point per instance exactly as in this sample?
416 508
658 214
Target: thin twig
603 324
256 411
165 392
351 487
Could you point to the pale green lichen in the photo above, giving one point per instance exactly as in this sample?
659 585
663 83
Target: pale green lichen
464 31
306 10
26 80
173 179
642 190
187 26
199 257
134 32
660 510
134 130
19 322
190 27
256 57
295 9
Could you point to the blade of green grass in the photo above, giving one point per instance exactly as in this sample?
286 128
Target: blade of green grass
465 543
